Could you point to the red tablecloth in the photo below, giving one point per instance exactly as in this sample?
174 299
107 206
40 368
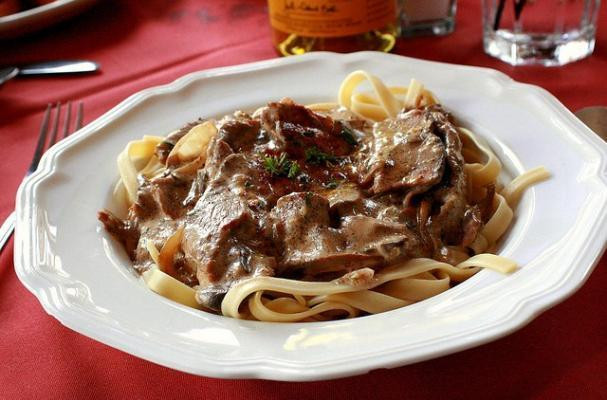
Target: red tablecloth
561 354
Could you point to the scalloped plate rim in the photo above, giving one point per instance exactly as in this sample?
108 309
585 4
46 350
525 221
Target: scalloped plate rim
269 368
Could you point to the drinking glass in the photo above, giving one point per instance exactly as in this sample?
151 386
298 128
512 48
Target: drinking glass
546 32
428 17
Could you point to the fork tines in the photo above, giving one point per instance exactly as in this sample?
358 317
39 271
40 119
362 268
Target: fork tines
44 129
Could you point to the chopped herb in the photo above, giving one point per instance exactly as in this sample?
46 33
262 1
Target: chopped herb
348 135
281 166
293 170
248 185
315 156
273 164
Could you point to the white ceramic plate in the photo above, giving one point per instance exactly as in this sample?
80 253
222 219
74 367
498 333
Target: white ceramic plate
40 17
83 278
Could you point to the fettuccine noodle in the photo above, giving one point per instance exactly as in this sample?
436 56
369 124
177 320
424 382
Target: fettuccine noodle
286 300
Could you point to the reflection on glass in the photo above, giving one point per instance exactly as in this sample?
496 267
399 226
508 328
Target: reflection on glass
428 17
546 32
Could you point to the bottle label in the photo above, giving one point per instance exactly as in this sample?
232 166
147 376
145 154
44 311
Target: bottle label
331 18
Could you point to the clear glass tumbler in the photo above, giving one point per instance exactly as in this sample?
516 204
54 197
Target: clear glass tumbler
545 32
428 17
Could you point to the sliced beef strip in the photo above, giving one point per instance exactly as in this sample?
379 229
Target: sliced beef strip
155 216
294 128
319 146
389 207
170 193
236 134
241 133
390 240
152 217
453 196
419 153
301 224
445 128
146 205
345 200
224 237
406 154
446 224
288 115
124 231
455 222
217 152
162 196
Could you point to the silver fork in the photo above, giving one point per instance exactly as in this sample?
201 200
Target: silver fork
9 225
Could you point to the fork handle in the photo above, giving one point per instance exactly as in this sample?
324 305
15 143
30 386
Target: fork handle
7 229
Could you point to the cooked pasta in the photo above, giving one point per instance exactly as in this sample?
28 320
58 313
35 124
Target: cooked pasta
371 287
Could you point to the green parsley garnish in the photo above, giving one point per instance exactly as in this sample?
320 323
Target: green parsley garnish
273 164
315 156
348 135
281 166
293 170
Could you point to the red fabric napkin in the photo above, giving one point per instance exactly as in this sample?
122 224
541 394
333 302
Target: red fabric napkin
561 354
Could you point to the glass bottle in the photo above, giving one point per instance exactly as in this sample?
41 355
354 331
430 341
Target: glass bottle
301 26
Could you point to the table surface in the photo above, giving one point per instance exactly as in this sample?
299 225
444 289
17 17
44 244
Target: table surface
561 354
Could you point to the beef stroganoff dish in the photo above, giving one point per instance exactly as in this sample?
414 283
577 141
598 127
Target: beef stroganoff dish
317 212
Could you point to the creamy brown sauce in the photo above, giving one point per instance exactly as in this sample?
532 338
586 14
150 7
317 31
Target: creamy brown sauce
304 195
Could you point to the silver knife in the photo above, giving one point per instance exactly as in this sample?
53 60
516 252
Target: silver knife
59 67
